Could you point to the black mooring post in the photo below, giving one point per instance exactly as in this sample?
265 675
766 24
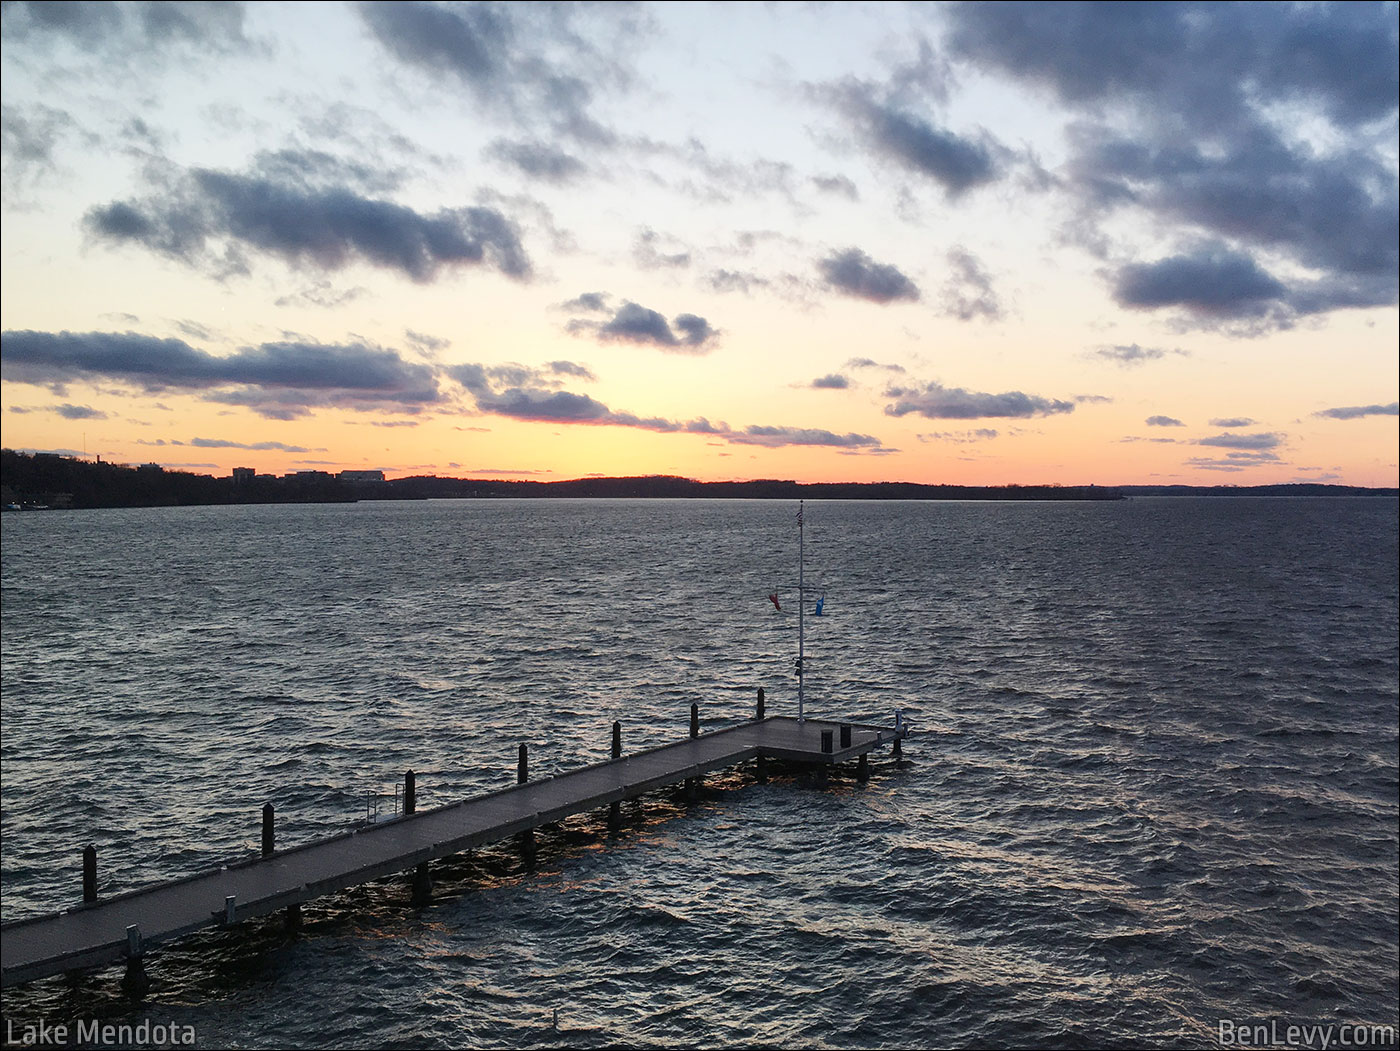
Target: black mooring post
410 793
615 809
269 840
89 874
522 766
522 774
863 768
845 735
694 720
898 752
758 709
421 886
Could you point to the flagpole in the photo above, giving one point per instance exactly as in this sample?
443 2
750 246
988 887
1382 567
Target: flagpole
801 609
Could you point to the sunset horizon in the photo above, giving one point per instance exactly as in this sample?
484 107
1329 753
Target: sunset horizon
952 244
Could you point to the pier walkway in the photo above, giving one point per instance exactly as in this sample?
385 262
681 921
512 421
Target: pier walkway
122 926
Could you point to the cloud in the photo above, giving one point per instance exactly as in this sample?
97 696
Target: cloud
957 163
837 186
279 380
1354 412
1164 421
539 160
222 443
130 29
533 394
831 381
979 434
592 301
317 227
937 402
968 292
856 274
536 64
1233 421
870 363
68 412
1211 281
652 251
1130 355
634 323
1242 441
735 281
1254 126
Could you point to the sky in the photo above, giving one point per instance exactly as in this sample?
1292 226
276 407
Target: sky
946 243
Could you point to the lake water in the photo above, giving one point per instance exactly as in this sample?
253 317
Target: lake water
1153 787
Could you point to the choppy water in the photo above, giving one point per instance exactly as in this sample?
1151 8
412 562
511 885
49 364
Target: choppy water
1155 788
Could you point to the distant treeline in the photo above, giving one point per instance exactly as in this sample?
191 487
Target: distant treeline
40 479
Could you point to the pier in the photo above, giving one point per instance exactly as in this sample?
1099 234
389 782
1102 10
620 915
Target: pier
122 927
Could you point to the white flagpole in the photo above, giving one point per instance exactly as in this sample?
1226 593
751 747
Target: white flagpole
801 609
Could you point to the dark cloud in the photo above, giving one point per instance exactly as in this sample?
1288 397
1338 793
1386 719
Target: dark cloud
870 363
533 62
957 163
593 301
539 160
652 251
831 381
1130 355
131 27
1355 412
1242 441
30 139
735 281
1190 113
837 185
222 443
317 227
968 292
774 437
426 343
279 380
571 368
1164 421
633 323
1211 281
68 412
978 434
856 274
937 402
1233 421
524 393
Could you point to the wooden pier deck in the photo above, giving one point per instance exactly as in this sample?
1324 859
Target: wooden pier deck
101 933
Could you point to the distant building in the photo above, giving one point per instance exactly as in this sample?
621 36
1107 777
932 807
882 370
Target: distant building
244 475
361 476
308 476
152 468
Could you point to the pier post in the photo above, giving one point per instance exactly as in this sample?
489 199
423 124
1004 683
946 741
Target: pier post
863 768
410 793
230 906
762 770
615 808
135 983
422 885
89 875
522 774
269 835
294 917
898 752
758 708
692 783
845 735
